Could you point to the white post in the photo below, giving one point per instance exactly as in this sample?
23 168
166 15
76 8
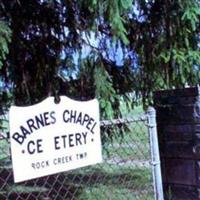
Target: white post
155 156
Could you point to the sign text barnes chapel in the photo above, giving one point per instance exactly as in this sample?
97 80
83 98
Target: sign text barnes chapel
48 138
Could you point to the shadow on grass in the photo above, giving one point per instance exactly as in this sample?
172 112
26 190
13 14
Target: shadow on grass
137 179
98 181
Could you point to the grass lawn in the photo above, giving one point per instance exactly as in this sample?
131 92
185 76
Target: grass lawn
113 182
112 193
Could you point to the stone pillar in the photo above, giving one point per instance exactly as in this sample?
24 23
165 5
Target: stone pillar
178 121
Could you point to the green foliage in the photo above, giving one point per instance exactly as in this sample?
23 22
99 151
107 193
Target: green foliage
66 47
191 15
116 9
5 38
104 91
168 49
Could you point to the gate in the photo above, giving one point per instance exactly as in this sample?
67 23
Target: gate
130 168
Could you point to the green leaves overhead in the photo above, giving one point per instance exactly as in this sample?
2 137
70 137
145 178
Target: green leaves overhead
168 43
192 14
5 38
117 9
111 48
104 91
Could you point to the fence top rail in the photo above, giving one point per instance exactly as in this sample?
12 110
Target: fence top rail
123 120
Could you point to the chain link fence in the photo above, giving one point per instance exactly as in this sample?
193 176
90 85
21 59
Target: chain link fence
126 171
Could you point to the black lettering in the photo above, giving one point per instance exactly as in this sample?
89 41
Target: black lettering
70 158
59 160
38 165
18 138
39 121
31 125
44 164
24 131
52 115
64 140
79 119
54 161
92 129
33 147
73 116
30 147
70 140
62 160
46 118
81 156
85 119
33 165
65 119
56 142
47 163
39 146
78 139
84 136
89 123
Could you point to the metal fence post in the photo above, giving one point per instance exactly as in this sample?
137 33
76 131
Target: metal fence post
155 156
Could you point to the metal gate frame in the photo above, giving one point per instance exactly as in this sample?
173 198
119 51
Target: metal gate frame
155 155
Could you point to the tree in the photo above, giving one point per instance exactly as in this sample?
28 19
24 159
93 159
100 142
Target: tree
69 47
5 38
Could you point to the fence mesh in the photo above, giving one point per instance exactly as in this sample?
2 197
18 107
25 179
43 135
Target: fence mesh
126 171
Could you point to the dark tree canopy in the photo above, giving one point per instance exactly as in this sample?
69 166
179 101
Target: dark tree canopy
97 48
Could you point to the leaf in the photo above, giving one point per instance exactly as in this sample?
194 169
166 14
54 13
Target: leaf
165 56
125 4
5 38
191 15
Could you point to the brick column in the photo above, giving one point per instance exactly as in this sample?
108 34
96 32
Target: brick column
178 120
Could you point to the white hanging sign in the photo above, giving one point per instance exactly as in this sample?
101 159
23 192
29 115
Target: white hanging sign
48 138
